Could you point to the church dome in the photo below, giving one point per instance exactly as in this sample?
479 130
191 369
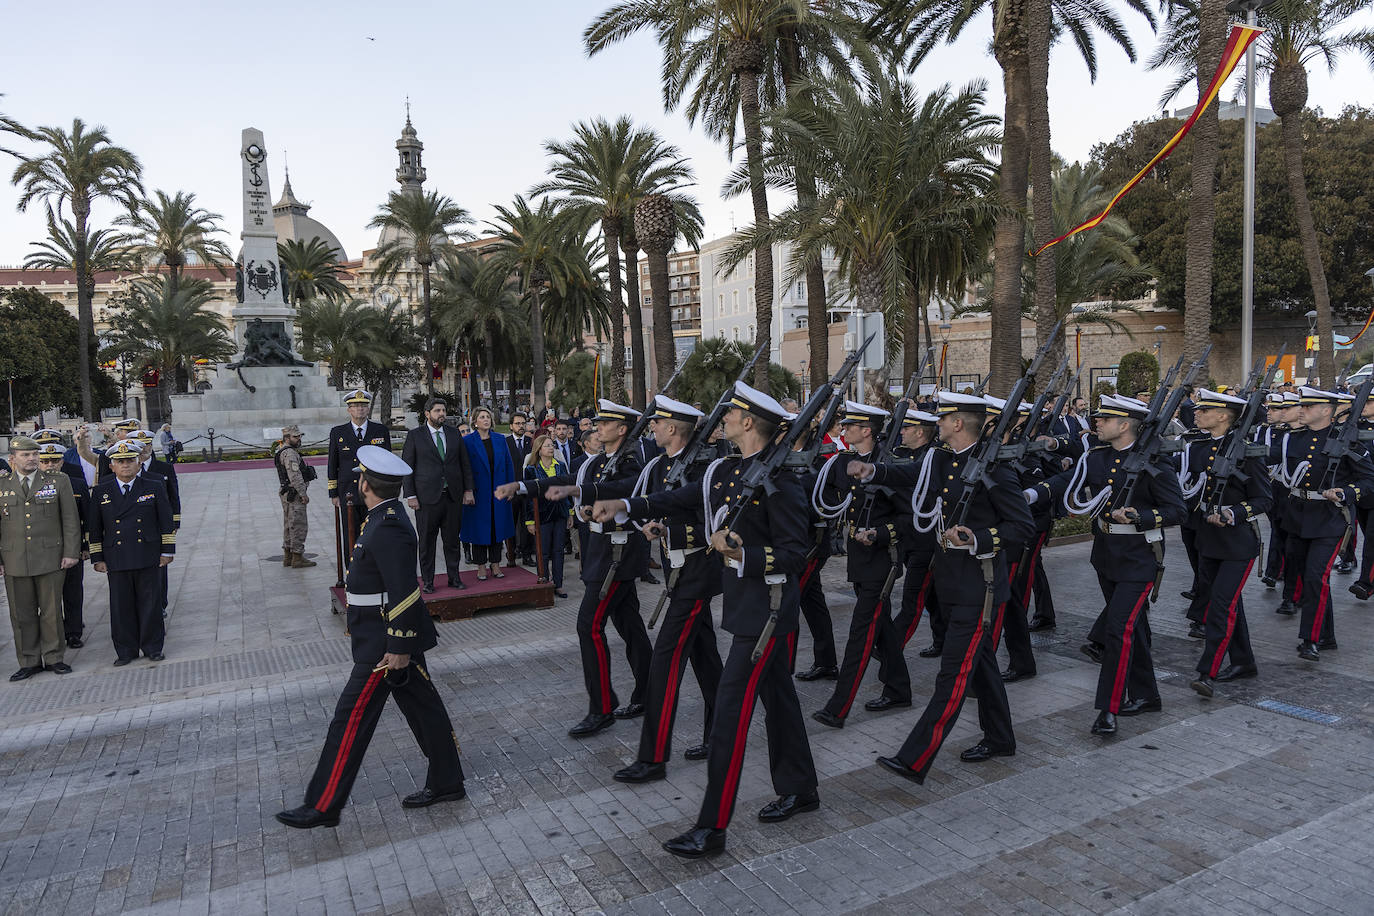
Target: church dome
293 223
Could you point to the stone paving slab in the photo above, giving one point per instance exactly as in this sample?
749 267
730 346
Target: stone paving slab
152 788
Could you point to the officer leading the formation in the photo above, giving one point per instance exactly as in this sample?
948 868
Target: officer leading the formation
390 630
344 442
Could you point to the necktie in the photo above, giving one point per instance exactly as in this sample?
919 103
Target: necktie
359 431
439 442
125 488
26 489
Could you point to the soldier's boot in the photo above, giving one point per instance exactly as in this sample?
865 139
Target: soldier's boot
298 561
285 557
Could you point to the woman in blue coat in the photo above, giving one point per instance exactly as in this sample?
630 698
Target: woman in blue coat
489 523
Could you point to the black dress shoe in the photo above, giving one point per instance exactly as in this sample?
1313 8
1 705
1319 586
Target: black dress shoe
649 578
74 642
1360 590
306 817
1011 677
1237 672
58 668
427 796
826 718
784 806
1093 651
816 672
1307 650
1327 644
1136 707
983 751
1345 566
427 588
1040 623
1202 685
593 723
882 703
639 771
157 657
934 650
1269 581
1196 631
894 765
24 674
121 662
456 583
697 843
629 711
1105 724
698 752
1189 595
1287 608
560 594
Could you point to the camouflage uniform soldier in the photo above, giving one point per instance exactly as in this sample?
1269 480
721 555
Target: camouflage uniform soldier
294 475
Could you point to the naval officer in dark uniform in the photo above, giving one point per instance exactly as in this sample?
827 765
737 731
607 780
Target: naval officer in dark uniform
764 555
390 629
344 442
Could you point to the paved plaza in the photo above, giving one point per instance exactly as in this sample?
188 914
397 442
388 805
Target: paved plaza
151 788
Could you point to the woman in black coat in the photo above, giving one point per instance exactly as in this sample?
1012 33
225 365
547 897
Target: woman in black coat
555 516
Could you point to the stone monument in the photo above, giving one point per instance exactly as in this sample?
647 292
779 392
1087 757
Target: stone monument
266 386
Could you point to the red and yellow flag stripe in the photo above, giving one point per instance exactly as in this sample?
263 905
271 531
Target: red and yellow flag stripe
1241 37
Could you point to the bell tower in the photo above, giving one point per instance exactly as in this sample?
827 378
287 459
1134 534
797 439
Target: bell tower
410 172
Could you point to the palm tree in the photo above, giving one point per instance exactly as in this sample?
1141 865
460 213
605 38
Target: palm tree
106 250
898 171
78 167
918 26
475 308
542 248
169 329
312 270
391 359
171 230
423 226
603 170
639 371
725 53
340 333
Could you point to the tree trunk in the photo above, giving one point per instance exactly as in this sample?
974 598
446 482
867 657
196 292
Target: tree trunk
1288 96
489 345
610 240
336 373
474 390
537 349
911 331
85 317
870 298
1197 280
1042 182
1009 236
386 393
763 255
429 331
639 372
665 347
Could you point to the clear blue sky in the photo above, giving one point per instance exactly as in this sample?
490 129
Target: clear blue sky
176 82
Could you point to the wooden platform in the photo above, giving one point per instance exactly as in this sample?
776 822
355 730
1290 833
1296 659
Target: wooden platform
520 588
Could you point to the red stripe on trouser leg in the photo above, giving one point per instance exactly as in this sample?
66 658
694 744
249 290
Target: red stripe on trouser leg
674 681
863 659
920 608
603 655
1030 571
806 573
1213 668
746 713
1297 587
1124 662
1001 611
1324 596
956 697
355 718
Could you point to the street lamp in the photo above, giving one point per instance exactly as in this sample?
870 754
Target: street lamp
1077 350
1251 10
1311 317
945 328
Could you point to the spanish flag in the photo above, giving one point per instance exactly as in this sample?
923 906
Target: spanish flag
1241 37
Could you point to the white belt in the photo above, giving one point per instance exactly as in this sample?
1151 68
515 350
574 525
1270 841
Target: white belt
1313 495
1154 534
678 558
374 600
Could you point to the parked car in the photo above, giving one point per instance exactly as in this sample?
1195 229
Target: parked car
1356 379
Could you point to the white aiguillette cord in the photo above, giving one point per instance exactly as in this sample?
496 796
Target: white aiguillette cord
823 509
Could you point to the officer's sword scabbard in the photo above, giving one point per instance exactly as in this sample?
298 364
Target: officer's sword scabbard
663 598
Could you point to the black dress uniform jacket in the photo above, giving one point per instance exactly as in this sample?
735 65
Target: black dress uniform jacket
383 562
157 469
1248 499
343 452
133 531
596 560
1319 518
884 514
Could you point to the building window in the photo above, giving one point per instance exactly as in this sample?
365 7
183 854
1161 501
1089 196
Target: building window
751 333
720 304
801 289
735 329
801 322
648 301
734 301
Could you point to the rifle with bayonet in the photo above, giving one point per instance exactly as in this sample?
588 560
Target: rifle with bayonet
1340 442
699 445
760 473
1229 463
976 472
1017 448
1056 411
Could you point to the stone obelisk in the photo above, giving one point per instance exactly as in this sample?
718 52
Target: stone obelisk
260 285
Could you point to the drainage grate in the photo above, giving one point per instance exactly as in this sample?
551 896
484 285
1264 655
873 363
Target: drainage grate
1299 712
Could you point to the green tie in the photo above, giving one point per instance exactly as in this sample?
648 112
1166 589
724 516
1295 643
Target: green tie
26 489
439 441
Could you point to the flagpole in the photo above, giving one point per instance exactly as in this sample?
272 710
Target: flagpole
1247 269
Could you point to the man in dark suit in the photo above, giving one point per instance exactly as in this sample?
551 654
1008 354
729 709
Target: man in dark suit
155 468
520 442
563 445
344 442
437 489
132 536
